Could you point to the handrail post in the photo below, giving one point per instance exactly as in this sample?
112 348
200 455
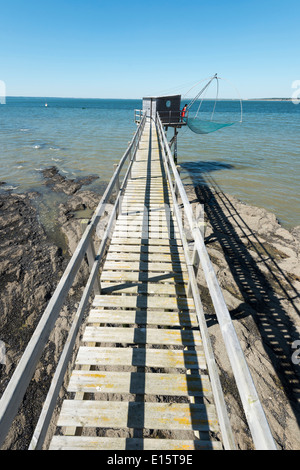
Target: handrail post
91 255
118 178
118 208
176 189
195 262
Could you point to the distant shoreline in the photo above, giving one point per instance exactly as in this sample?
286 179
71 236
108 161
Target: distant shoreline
138 99
269 99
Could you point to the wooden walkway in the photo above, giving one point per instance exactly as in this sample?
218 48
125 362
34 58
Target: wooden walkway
145 376
140 380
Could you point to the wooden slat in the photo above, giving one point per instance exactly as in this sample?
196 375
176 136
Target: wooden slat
165 249
164 205
143 288
142 220
142 336
145 180
146 241
160 190
138 383
156 228
146 208
143 317
141 192
142 184
140 357
159 277
161 203
109 443
145 257
151 215
142 208
143 266
143 301
156 198
157 222
153 225
157 202
133 209
111 414
139 233
160 218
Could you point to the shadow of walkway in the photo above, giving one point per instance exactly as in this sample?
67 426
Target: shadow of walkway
264 291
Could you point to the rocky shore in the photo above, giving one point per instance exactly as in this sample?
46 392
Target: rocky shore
31 265
256 261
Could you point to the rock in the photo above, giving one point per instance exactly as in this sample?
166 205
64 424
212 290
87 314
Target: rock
60 183
84 201
30 268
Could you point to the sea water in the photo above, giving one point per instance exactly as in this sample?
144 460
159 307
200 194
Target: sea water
256 160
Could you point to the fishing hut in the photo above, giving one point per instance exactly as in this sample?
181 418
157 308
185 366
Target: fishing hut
169 110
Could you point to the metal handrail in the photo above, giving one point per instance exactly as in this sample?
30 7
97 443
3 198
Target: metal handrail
17 386
138 115
170 117
258 424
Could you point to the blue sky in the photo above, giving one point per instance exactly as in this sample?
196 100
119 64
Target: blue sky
131 49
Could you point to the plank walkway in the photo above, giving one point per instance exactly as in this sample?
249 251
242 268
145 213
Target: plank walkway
140 379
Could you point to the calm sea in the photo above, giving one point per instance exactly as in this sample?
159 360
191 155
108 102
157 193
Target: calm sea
257 161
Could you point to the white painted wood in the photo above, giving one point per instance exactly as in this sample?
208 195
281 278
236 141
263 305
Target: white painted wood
113 414
139 357
145 235
152 220
147 242
140 383
142 336
143 266
109 443
91 255
165 249
142 317
171 290
152 231
139 276
145 257
143 301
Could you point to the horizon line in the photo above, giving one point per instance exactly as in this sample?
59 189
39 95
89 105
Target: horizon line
109 98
